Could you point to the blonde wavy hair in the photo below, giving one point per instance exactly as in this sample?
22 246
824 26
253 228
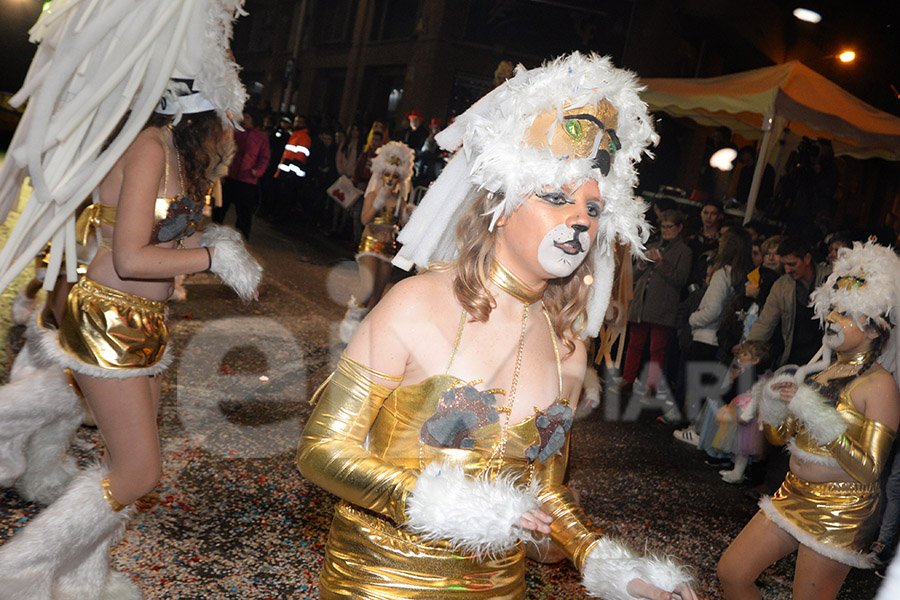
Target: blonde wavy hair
565 298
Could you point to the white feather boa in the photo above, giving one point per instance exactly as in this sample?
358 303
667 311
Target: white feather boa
479 516
231 261
772 409
611 565
817 414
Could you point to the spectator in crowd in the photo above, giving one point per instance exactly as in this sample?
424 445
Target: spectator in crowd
323 172
349 146
432 159
415 134
747 160
292 169
836 241
362 172
704 243
787 304
251 158
278 137
657 290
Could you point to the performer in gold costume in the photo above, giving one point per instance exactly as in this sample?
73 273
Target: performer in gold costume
839 425
384 211
445 428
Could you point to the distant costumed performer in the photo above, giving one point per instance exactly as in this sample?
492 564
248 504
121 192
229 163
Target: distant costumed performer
130 103
445 427
839 419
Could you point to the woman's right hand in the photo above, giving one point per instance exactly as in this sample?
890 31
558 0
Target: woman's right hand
641 589
536 520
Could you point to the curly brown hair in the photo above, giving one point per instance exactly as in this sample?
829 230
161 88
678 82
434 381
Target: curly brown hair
565 298
203 146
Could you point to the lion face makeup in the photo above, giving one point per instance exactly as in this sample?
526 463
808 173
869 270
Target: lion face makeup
563 249
587 131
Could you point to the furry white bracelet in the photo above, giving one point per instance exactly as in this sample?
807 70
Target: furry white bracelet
611 565
479 516
772 409
817 414
231 261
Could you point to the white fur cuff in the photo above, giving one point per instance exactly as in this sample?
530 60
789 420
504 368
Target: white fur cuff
817 414
477 515
772 409
611 565
231 262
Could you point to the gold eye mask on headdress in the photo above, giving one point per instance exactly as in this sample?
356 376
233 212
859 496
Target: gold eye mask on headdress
850 282
576 135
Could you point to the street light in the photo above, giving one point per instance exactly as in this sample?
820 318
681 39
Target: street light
805 14
847 56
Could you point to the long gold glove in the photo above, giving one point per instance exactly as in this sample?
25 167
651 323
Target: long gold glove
778 435
864 454
570 529
332 453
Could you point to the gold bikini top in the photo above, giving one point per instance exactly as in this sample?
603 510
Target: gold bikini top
173 218
855 421
445 415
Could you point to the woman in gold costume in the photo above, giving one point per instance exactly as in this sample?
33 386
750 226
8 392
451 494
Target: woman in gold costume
384 212
445 428
839 425
112 335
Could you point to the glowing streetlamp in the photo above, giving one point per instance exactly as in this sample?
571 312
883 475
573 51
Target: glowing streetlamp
847 56
805 14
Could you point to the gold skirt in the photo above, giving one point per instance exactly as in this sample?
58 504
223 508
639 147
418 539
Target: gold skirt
836 519
379 240
368 557
109 330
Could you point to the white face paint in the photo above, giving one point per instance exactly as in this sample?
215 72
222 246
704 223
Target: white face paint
563 249
834 335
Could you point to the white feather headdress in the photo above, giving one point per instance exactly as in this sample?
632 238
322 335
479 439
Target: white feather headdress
865 284
98 61
393 156
512 143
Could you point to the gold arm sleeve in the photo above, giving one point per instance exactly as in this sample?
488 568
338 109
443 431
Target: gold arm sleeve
863 456
779 435
332 453
570 530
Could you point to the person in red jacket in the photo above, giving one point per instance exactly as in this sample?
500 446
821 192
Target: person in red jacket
291 171
240 186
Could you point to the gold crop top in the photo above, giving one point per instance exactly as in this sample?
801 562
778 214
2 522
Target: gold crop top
173 218
862 450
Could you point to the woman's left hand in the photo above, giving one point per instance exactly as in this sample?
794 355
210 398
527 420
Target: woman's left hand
536 520
641 589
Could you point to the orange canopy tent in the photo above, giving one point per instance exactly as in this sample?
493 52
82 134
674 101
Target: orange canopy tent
762 102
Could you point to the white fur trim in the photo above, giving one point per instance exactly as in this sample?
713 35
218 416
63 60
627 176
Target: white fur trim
22 308
611 565
845 557
479 516
772 409
38 415
36 337
64 548
24 364
50 348
751 409
386 259
352 319
231 261
818 415
890 589
825 461
120 587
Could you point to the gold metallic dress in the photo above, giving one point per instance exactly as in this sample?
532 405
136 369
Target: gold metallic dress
366 444
836 519
379 237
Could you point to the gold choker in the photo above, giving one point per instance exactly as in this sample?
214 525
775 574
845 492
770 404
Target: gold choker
852 358
514 286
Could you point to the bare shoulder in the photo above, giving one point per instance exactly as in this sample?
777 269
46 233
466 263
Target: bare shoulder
878 398
419 296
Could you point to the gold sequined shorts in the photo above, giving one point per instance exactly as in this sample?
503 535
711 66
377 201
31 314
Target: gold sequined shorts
367 557
109 330
379 240
836 519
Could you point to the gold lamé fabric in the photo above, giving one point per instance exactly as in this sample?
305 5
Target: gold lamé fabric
840 515
362 443
110 329
379 237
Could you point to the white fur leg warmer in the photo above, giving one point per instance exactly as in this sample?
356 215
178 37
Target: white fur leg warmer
43 400
231 261
611 565
63 552
352 318
817 414
22 308
477 515
772 409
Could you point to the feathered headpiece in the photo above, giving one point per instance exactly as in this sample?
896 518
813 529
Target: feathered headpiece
393 156
864 284
96 63
574 119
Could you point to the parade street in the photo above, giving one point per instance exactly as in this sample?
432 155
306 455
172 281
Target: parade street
232 518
